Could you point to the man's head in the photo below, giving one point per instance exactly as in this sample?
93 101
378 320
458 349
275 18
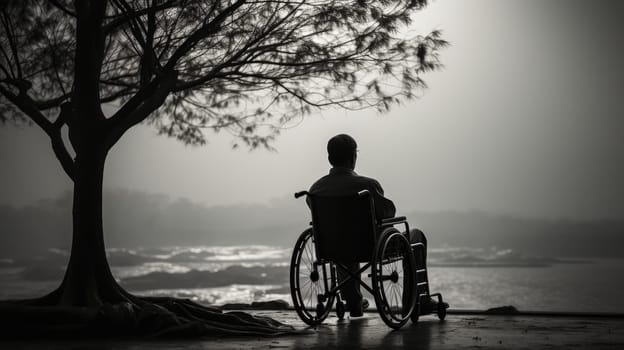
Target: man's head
342 151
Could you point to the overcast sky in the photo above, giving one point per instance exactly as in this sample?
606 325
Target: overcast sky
526 119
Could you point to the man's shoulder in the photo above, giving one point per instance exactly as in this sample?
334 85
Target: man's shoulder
367 179
340 183
320 181
367 182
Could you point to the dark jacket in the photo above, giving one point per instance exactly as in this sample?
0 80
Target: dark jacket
344 181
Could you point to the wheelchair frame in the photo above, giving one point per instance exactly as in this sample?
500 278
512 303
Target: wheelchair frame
331 289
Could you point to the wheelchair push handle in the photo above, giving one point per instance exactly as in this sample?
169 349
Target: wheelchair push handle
301 193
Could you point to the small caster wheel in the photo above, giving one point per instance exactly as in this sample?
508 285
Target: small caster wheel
415 313
441 311
340 310
320 310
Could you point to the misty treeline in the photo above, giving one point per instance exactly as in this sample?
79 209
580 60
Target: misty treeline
136 219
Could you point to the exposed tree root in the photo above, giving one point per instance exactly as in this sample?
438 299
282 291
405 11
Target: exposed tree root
140 316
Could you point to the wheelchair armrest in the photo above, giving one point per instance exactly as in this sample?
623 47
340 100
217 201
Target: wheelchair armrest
364 193
393 221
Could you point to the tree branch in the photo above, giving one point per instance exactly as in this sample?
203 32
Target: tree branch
58 146
59 6
245 49
112 97
8 70
51 103
201 33
139 107
53 130
112 25
9 31
149 62
28 107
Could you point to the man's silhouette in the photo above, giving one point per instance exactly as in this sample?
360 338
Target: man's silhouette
341 181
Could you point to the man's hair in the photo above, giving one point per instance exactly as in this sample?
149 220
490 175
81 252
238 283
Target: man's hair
340 149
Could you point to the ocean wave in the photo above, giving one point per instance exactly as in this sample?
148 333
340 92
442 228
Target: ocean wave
482 257
232 294
125 257
235 274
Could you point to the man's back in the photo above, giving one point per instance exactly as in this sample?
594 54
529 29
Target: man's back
342 181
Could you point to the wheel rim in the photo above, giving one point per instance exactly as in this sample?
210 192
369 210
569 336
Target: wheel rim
390 275
308 282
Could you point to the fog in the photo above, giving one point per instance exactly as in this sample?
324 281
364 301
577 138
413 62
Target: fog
524 121
136 219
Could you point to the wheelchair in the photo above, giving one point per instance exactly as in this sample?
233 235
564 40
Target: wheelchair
324 248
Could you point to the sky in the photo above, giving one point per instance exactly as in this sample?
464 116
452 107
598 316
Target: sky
525 119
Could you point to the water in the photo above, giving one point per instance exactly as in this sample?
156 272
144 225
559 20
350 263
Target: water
243 274
589 287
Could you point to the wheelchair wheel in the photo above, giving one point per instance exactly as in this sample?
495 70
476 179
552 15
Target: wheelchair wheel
310 281
393 278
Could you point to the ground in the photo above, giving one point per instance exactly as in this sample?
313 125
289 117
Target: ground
459 331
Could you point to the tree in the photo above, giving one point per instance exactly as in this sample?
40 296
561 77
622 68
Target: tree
96 68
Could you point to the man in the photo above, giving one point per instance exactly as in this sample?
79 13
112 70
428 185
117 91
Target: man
342 180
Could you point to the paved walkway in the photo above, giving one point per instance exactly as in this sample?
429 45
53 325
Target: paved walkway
459 331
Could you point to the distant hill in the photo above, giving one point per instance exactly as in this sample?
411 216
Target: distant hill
133 219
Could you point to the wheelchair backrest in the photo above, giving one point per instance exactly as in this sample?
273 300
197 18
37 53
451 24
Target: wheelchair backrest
344 227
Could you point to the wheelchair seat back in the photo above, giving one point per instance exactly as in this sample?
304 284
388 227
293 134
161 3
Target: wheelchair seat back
344 227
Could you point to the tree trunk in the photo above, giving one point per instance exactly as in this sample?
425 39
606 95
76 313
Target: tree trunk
88 280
